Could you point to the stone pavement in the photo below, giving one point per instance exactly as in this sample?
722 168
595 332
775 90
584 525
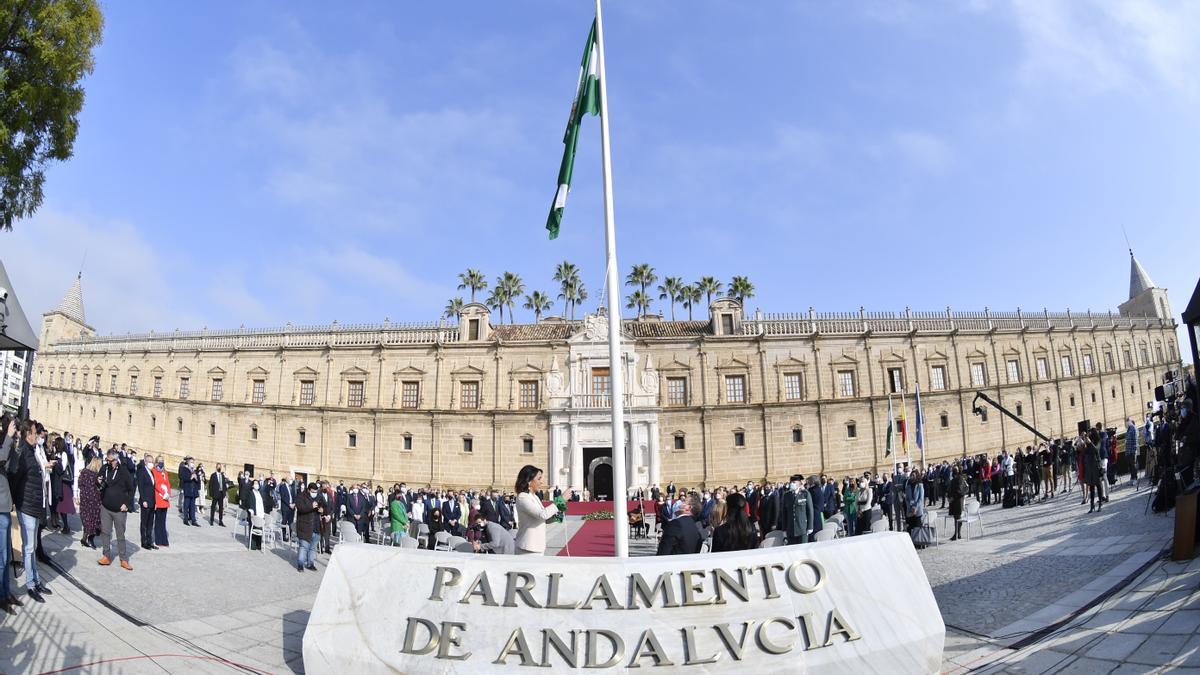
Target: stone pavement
206 604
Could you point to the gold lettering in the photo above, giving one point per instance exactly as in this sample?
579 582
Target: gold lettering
569 654
689 649
451 638
809 628
797 584
721 578
552 594
842 627
523 589
440 582
602 590
768 574
735 647
516 645
766 644
649 646
639 587
410 637
481 586
692 586
593 648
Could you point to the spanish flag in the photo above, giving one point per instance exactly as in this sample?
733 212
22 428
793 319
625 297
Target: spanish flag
903 427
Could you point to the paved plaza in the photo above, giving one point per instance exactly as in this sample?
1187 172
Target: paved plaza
1049 588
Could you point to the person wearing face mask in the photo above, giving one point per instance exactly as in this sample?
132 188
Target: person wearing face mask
28 473
218 487
189 486
310 507
116 489
162 501
252 503
146 501
797 512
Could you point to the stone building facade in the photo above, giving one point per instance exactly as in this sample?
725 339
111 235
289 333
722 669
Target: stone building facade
719 401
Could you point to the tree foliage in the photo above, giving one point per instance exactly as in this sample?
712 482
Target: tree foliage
45 52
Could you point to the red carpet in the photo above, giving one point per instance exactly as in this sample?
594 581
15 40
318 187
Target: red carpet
595 539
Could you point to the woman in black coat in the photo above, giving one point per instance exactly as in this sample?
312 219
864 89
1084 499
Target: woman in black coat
1091 467
737 532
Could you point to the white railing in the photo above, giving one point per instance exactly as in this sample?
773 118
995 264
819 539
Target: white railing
948 321
591 401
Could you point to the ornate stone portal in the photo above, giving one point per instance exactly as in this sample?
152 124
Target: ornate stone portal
580 416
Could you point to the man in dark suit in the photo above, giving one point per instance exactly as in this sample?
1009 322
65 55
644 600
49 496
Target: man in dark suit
286 509
768 510
681 535
452 515
818 503
189 484
495 510
357 510
218 487
145 491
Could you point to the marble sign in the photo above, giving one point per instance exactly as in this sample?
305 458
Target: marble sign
854 605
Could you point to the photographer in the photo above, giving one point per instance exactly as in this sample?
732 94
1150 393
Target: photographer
116 491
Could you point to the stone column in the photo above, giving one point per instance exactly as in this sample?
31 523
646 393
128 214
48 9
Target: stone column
653 450
552 458
576 462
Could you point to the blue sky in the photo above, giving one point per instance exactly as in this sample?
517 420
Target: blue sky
257 163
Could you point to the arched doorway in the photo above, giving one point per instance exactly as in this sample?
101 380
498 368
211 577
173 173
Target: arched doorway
600 478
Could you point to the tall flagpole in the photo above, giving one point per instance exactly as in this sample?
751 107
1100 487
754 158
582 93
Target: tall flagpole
616 370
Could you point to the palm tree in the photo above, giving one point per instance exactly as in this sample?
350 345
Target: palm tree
566 273
637 300
495 300
740 289
671 289
642 276
538 302
690 295
453 308
472 279
512 287
709 286
578 295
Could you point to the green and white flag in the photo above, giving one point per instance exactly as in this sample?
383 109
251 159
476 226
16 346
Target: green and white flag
891 429
587 101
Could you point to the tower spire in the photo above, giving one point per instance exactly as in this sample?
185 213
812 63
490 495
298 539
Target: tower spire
1139 281
71 306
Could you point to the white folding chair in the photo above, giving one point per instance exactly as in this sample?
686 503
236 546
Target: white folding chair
827 533
932 521
464 546
879 526
256 528
408 542
269 528
422 537
972 516
454 542
774 538
441 541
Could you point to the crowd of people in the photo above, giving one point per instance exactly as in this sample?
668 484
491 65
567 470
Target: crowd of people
48 477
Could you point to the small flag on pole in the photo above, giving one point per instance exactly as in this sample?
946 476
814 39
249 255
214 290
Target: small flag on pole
903 426
587 101
891 429
920 422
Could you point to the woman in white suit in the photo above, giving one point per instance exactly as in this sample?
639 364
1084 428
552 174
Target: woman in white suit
531 515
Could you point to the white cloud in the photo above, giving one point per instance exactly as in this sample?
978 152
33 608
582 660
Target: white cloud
1106 46
923 150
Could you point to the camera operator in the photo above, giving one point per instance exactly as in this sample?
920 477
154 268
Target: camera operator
116 489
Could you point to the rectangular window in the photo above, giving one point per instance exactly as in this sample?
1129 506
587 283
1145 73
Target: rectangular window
1144 354
112 384
1065 361
62 375
726 324
529 394
259 392
1158 354
845 383
679 442
352 440
179 424
527 446
895 380
468 445
793 386
944 419
852 430
735 388
253 433
1014 371
410 394
354 394
1047 405
473 329
978 374
308 392
797 435
185 387
1108 361
408 442
301 437
218 388
97 383
1043 368
157 386
212 428
1128 358
1087 364
937 378
470 395
601 382
133 385
73 374
739 439
676 391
